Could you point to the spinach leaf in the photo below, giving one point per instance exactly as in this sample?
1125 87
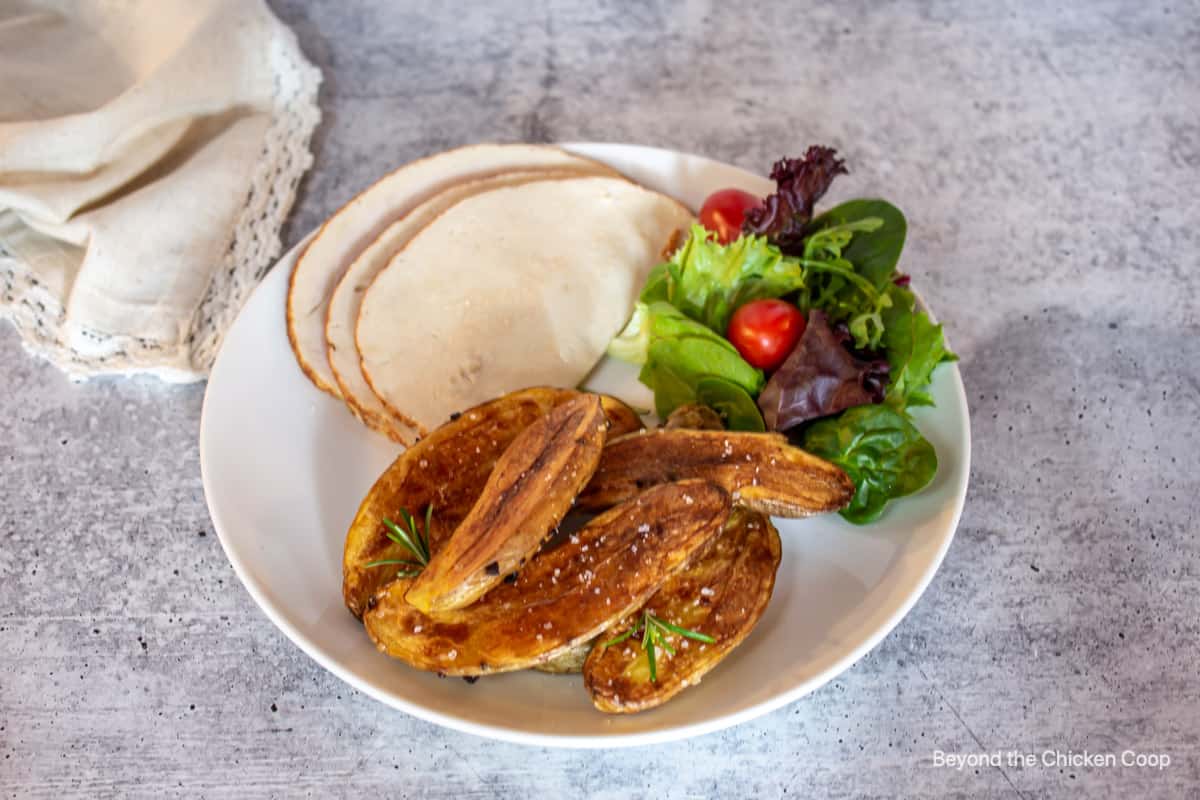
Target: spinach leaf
874 253
882 452
732 402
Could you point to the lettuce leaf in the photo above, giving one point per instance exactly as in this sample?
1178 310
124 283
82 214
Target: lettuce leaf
914 346
708 281
632 344
820 377
800 183
685 362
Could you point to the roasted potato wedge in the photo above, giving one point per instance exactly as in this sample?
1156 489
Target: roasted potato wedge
531 488
447 469
761 470
570 662
696 417
566 595
722 593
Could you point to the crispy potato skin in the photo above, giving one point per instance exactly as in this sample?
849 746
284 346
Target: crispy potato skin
566 595
722 593
448 468
531 488
761 470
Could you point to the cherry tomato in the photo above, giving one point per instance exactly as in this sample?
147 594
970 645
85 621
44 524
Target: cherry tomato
724 210
765 331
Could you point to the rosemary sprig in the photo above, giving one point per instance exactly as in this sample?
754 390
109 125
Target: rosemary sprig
654 633
415 540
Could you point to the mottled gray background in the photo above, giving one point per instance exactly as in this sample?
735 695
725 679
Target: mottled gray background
1048 161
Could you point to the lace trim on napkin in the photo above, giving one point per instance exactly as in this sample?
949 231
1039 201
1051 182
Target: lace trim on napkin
254 244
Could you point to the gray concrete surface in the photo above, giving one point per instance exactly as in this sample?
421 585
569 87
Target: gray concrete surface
1048 161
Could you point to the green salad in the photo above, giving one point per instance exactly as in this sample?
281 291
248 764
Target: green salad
781 319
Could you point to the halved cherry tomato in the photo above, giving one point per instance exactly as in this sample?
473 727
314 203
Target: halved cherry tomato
724 210
765 331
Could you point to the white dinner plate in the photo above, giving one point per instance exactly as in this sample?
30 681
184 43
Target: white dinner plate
285 466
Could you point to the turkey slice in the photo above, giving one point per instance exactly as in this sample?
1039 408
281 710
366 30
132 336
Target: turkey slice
348 232
346 299
518 286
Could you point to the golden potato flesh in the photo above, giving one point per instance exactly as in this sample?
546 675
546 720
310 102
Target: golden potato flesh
569 662
722 594
448 470
565 595
694 416
761 470
531 488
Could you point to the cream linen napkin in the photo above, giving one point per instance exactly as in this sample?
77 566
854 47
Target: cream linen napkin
149 153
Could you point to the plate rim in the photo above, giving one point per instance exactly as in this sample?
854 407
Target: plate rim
568 740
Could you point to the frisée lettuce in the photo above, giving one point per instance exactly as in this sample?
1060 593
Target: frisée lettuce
708 281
